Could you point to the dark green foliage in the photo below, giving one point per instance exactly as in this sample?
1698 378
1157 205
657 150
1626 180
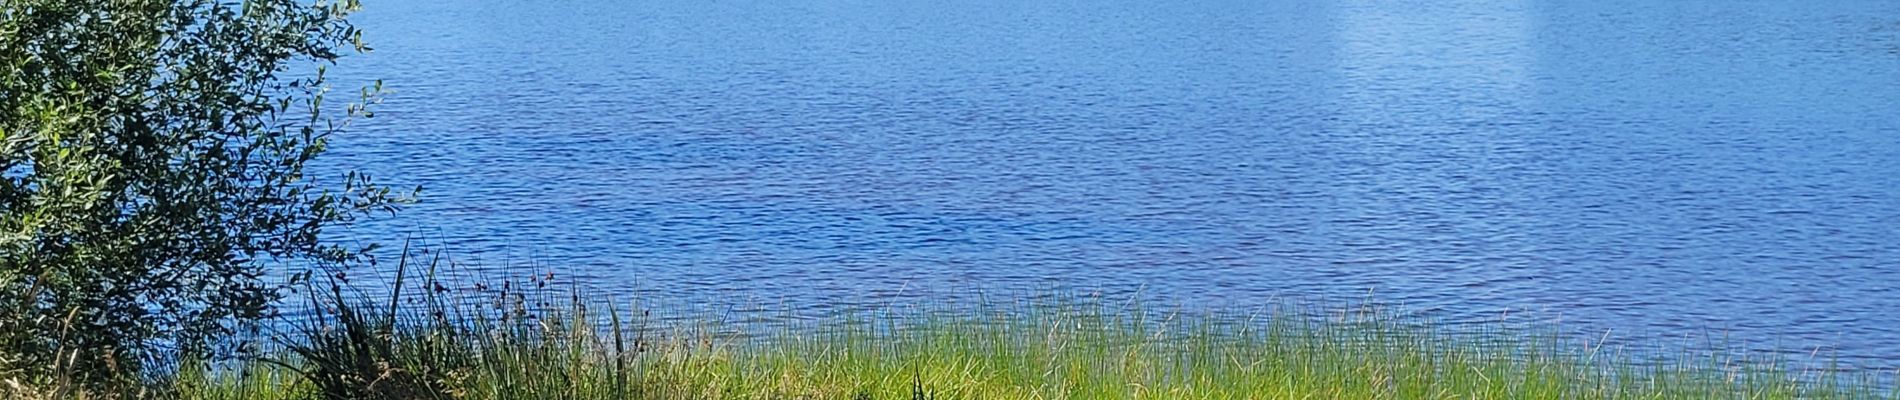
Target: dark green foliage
347 351
346 355
152 173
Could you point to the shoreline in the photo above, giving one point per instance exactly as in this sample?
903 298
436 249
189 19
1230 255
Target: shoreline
532 339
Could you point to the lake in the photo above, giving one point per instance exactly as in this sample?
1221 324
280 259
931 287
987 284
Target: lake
1655 168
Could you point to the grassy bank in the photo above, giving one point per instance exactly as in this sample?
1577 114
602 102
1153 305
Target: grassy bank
426 341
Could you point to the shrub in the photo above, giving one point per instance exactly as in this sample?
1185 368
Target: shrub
152 158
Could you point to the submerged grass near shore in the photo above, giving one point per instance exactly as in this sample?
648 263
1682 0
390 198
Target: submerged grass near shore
532 340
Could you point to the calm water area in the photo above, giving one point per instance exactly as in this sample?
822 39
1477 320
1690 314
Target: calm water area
1654 168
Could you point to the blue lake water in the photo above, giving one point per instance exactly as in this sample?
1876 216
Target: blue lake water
1656 168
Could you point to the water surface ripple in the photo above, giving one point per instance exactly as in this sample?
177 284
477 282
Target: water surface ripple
1653 167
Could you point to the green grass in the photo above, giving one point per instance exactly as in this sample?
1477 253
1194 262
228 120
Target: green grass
555 343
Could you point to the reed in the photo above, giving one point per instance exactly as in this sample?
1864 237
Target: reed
528 339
